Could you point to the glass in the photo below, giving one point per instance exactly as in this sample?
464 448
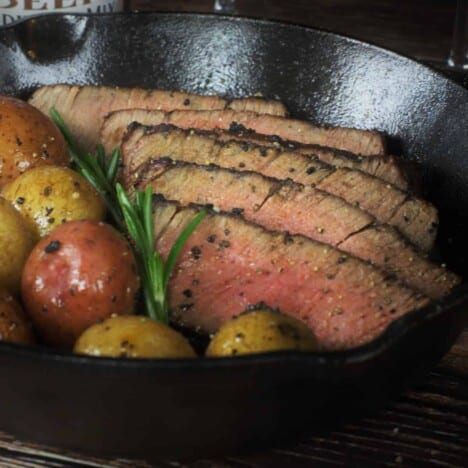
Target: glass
459 53
225 7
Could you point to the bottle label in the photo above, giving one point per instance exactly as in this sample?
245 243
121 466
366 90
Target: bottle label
14 10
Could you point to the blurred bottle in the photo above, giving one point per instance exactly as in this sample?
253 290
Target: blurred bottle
459 53
225 7
14 10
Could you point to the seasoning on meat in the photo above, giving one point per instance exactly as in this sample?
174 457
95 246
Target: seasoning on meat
84 107
412 216
360 303
389 168
297 209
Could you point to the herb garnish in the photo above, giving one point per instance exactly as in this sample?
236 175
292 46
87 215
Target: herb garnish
133 218
154 272
99 171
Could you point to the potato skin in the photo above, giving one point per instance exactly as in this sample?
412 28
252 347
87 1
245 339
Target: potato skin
50 195
260 331
16 242
14 326
133 336
28 138
81 273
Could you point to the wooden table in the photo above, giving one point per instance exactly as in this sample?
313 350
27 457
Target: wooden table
428 424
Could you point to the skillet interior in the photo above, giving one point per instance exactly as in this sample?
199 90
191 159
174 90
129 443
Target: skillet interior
191 408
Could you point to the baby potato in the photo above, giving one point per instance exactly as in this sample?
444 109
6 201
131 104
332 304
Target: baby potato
133 336
28 138
81 273
16 242
14 326
50 195
260 331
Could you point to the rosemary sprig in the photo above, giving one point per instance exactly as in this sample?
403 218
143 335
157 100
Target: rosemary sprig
155 273
98 170
133 218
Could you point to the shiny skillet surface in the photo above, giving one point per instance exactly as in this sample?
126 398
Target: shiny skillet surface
318 75
187 408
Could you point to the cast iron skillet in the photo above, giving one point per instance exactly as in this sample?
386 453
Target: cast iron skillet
193 408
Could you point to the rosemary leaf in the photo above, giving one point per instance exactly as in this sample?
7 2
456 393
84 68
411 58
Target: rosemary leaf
132 219
57 118
179 244
101 157
147 215
113 166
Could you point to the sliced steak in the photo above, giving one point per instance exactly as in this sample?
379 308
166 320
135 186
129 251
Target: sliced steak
414 218
229 264
116 123
388 168
84 107
298 209
364 142
258 105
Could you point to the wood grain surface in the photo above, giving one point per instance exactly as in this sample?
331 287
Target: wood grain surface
428 424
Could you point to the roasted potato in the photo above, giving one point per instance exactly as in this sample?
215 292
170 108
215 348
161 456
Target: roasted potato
133 336
81 273
28 138
259 331
14 326
51 195
16 242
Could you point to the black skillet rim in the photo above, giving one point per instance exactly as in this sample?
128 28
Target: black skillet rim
247 19
395 332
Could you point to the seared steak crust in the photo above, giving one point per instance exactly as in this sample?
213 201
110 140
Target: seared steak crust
358 141
229 264
84 107
385 167
414 218
363 142
297 209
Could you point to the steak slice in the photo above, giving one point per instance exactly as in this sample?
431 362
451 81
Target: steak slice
257 105
84 107
414 218
116 123
363 142
390 168
297 209
229 264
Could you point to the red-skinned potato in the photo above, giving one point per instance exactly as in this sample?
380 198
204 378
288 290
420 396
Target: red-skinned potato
14 325
81 273
28 138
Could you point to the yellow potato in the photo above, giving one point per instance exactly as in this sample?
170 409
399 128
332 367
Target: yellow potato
28 138
14 326
16 242
133 336
260 331
50 195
